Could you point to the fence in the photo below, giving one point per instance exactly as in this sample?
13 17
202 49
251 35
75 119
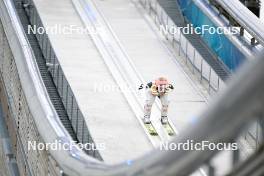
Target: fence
222 46
183 46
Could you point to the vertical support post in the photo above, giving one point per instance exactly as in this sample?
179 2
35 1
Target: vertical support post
201 70
193 59
83 130
186 55
218 83
180 45
58 74
242 31
71 108
77 122
66 102
257 134
54 64
236 157
209 81
62 85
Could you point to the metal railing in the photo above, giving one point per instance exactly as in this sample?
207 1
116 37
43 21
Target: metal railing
68 98
247 20
35 119
183 46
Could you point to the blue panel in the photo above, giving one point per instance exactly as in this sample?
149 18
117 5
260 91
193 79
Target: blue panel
219 43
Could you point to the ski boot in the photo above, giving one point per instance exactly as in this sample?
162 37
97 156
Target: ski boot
146 120
164 120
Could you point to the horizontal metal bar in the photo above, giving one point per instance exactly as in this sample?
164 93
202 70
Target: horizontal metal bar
245 18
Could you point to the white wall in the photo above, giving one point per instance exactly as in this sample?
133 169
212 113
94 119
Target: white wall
262 11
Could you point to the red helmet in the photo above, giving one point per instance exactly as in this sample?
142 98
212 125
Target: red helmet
161 81
161 84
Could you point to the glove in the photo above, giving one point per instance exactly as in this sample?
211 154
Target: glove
171 86
154 90
140 87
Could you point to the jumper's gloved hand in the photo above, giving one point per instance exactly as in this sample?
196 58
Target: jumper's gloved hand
154 90
140 87
169 88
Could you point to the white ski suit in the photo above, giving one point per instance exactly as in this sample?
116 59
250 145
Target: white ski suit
151 93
